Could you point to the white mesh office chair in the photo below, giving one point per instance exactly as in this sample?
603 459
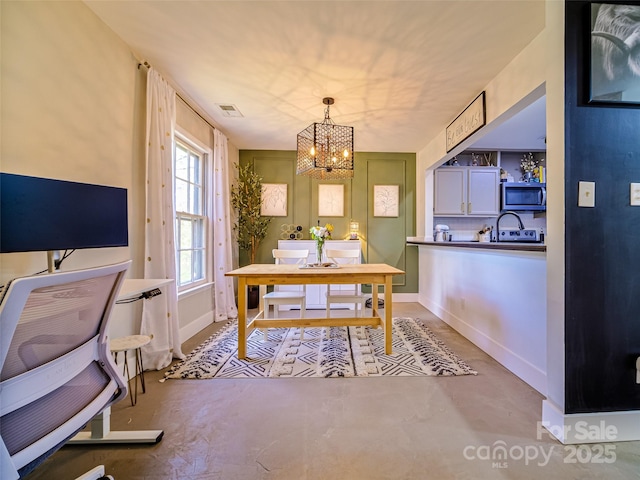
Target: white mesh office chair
345 293
295 294
56 371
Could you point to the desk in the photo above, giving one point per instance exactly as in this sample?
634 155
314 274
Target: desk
270 274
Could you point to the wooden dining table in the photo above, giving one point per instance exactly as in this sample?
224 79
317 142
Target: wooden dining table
375 274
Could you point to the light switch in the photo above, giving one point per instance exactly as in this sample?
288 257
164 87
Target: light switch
586 194
635 194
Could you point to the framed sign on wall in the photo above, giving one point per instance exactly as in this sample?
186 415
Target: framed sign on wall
467 123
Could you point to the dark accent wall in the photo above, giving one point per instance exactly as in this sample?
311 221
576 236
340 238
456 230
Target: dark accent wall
383 239
602 317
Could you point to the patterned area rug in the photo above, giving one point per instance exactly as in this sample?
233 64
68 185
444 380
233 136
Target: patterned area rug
344 352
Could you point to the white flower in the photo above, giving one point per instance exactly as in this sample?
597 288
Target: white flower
528 163
321 233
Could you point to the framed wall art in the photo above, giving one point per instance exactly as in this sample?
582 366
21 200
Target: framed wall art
330 200
614 60
274 200
386 199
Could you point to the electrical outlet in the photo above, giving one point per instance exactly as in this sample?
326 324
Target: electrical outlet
635 194
586 194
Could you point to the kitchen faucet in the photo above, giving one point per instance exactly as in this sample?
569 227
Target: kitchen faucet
509 212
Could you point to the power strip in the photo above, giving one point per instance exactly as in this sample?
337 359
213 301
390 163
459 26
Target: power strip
152 293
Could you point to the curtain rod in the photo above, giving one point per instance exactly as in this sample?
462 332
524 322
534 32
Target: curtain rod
195 111
148 65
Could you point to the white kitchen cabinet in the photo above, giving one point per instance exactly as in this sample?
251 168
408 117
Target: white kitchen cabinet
450 187
467 191
316 294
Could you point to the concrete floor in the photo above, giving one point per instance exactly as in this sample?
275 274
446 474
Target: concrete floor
361 428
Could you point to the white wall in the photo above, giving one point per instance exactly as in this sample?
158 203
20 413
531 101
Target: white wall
69 102
73 108
555 202
68 105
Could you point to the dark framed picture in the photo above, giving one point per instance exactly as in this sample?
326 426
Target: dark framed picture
615 54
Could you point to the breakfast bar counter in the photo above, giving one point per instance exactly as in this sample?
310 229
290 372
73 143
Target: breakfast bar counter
492 293
518 246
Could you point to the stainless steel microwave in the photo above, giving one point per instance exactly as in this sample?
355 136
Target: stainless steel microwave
521 196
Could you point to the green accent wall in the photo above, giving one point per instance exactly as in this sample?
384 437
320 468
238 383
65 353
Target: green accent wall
383 238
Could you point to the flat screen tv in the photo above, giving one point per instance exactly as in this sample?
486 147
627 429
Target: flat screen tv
42 214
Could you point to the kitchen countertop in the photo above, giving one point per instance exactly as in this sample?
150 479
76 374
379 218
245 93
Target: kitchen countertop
520 246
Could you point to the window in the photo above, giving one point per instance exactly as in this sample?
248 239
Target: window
191 214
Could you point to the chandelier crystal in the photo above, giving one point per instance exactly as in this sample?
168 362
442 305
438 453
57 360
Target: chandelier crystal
325 150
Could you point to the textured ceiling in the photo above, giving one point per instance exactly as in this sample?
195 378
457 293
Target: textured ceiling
399 71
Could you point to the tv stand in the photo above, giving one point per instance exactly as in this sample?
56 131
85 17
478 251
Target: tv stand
53 260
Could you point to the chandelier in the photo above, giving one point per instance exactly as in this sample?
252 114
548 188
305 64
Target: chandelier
325 150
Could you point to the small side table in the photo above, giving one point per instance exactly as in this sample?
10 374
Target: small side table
124 344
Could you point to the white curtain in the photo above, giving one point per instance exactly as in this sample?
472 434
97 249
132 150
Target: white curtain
160 314
225 305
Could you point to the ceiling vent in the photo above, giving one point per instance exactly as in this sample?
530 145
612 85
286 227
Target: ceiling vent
229 110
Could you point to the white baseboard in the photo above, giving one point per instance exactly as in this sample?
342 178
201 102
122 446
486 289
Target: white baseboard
404 297
601 427
400 297
509 359
194 327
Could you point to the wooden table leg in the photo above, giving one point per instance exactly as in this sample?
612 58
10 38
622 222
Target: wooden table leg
374 300
261 293
242 317
388 346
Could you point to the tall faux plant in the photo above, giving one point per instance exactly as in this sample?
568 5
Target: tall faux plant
250 228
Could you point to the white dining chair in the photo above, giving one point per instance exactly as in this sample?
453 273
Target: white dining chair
296 295
345 293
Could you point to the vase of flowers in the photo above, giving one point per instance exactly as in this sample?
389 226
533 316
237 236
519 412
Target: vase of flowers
528 164
320 234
